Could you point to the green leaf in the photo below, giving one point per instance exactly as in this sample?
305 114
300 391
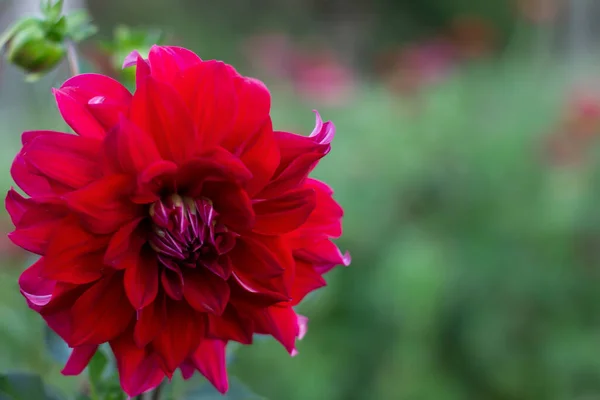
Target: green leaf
79 26
96 367
52 9
237 391
57 347
23 386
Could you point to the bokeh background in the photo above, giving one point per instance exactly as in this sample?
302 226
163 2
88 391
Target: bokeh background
467 161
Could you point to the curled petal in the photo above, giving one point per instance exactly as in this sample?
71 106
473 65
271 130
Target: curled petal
209 358
139 370
79 359
36 289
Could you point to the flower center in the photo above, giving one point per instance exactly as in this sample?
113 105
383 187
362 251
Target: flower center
186 234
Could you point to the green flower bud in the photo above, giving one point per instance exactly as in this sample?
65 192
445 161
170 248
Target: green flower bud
33 50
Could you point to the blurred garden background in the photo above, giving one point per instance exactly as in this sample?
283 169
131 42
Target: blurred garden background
467 159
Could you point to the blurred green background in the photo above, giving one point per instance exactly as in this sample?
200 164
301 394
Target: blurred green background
466 160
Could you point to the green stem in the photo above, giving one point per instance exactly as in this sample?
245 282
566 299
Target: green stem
156 394
72 58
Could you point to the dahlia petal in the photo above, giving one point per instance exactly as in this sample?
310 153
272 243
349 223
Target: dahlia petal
232 203
141 280
100 85
285 213
261 256
151 320
209 358
205 292
139 371
101 314
302 326
74 255
130 149
261 156
68 159
231 325
180 336
154 179
172 283
131 59
254 106
323 253
292 176
25 178
35 237
215 165
272 290
16 206
159 110
279 321
325 220
36 289
77 116
187 369
166 62
306 280
103 206
323 133
79 359
124 241
214 105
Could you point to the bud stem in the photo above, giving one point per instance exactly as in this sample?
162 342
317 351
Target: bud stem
72 58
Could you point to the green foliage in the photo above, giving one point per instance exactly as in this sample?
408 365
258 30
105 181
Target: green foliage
23 386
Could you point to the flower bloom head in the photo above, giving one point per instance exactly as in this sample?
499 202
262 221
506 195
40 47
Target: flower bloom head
174 221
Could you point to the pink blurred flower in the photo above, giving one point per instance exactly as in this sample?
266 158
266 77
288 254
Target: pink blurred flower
322 77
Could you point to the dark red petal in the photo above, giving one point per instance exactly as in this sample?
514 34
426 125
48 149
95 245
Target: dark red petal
172 282
232 203
102 313
306 280
150 321
129 149
323 253
68 159
77 116
74 255
209 358
261 156
279 321
325 220
139 370
283 214
214 165
79 359
231 325
214 104
36 289
128 239
292 176
205 291
261 257
155 179
141 279
103 205
181 335
159 111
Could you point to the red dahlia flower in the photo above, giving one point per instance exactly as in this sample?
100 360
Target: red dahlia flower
176 219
